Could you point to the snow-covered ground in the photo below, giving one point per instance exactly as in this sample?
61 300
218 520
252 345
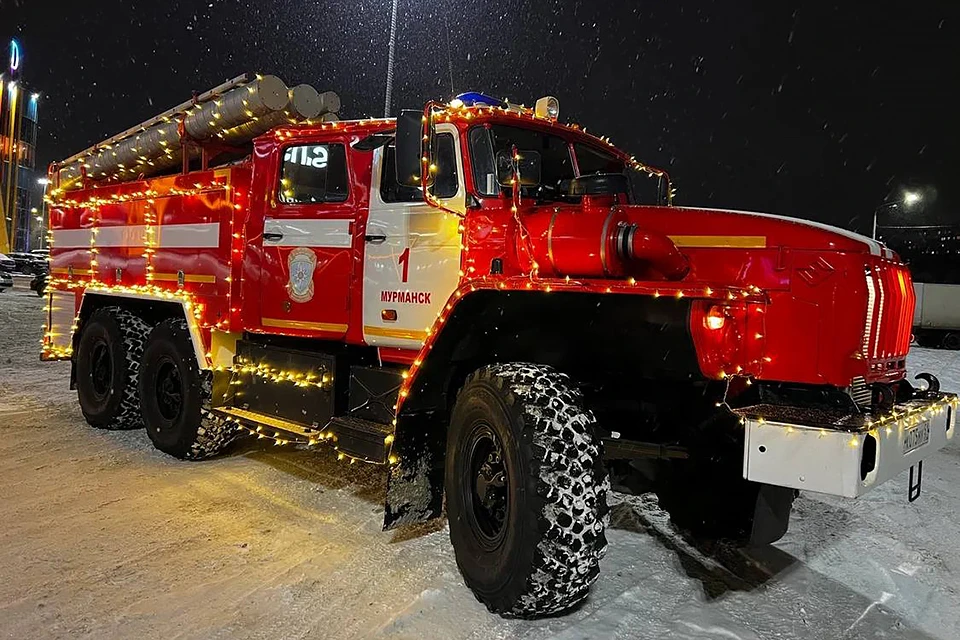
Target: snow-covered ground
101 536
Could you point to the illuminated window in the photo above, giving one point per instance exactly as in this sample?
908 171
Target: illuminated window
313 173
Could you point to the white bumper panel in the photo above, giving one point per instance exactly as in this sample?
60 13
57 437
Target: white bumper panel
844 462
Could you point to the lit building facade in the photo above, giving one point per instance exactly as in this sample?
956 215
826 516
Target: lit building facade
21 196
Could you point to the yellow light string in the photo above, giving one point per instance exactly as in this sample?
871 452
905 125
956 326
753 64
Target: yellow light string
904 420
149 237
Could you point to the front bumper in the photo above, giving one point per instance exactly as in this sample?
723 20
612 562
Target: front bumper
842 454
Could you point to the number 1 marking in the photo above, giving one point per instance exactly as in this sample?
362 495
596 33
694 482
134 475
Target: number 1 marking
404 261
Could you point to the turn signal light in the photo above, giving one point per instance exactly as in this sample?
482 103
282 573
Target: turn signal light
715 318
388 315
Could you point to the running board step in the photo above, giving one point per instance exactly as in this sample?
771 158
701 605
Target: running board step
273 427
355 437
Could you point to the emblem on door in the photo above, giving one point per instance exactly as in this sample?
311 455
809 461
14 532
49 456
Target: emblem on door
302 262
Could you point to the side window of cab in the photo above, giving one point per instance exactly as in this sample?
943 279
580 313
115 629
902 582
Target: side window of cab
313 173
446 183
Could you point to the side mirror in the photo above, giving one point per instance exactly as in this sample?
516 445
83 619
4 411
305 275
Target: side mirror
528 165
409 142
663 190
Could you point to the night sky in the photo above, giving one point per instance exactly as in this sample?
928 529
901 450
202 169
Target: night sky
823 110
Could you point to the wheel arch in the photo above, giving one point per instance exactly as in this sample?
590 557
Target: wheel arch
631 335
152 308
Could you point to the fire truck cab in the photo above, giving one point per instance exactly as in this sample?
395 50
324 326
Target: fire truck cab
481 300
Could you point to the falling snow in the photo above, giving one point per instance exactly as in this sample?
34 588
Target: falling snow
723 94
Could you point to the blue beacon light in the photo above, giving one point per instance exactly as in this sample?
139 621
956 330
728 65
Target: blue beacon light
474 98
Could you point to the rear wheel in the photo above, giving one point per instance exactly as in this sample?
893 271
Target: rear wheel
175 396
526 490
108 365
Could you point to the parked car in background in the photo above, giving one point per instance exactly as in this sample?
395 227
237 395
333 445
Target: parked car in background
7 264
6 280
29 263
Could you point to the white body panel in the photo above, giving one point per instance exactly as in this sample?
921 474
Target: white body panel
205 235
828 461
938 306
308 232
432 264
63 310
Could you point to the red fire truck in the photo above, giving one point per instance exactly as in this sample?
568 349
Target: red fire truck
481 300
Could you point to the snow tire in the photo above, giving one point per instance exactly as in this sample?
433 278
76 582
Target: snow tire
108 368
547 553
175 397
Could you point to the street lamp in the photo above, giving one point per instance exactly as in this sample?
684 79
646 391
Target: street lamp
911 198
908 200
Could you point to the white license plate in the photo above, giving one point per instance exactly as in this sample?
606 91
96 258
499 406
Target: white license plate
916 437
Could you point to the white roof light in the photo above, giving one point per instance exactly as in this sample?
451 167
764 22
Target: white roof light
547 107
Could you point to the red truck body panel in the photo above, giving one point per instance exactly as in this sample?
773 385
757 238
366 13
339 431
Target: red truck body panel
810 304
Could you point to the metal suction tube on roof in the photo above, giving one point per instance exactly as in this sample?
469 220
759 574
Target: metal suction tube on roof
158 146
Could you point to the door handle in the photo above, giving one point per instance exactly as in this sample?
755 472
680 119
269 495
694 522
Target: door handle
375 239
272 235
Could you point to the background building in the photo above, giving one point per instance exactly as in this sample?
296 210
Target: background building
21 196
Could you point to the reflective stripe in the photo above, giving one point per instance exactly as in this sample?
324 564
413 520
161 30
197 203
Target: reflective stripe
330 233
71 238
204 235
124 236
400 334
874 246
187 277
302 324
740 242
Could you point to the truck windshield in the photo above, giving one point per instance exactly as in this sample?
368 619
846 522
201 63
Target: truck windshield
557 157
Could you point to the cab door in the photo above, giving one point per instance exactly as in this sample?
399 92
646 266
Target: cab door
412 250
307 242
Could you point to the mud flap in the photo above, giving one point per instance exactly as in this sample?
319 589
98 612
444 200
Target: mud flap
771 515
415 481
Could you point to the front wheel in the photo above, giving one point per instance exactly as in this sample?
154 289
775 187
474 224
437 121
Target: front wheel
526 490
173 395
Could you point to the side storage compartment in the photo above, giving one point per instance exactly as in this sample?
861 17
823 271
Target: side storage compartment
307 397
292 385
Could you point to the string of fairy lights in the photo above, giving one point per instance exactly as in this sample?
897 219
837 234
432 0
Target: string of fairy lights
751 296
880 426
